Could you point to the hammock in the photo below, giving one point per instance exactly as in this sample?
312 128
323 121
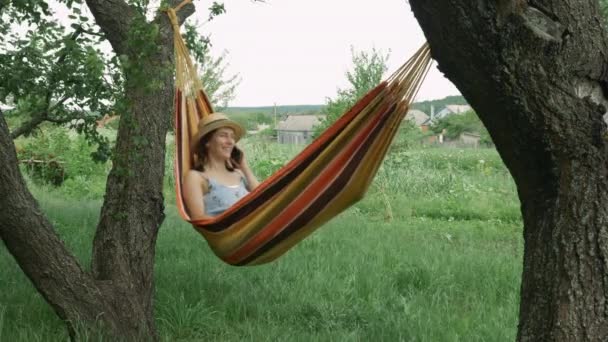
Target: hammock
328 176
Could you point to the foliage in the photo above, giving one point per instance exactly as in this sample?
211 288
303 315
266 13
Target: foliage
52 73
251 120
219 86
368 70
268 134
456 124
56 74
266 156
408 136
32 10
59 158
604 11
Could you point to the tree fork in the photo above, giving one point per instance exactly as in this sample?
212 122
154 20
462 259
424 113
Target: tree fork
118 295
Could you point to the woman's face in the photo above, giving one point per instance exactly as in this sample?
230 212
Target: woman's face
221 143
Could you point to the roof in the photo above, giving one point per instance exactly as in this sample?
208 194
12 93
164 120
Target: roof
452 109
299 123
458 108
417 116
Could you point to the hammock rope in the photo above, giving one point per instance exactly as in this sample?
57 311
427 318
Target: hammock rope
328 176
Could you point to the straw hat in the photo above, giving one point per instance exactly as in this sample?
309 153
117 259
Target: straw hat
212 122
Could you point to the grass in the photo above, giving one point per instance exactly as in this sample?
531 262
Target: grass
444 266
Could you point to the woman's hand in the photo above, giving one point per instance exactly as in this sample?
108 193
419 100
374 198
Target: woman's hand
252 182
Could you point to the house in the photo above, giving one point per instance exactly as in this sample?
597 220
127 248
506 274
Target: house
451 109
418 117
469 139
465 139
297 129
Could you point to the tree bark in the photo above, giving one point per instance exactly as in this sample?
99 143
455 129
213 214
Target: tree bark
119 292
536 74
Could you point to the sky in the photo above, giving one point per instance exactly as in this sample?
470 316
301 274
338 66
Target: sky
295 52
292 52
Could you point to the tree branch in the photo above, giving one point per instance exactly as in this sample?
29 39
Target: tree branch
58 103
114 17
39 118
93 33
29 126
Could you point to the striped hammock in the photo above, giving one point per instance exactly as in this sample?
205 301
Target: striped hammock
328 176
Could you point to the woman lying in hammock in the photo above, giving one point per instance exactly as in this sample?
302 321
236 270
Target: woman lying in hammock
221 175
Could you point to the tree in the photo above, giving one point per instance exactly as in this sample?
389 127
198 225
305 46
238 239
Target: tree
535 73
117 294
67 79
219 87
56 75
367 72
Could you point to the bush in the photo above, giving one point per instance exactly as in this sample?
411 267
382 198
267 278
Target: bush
54 157
454 125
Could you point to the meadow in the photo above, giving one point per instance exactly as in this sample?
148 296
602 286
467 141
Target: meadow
432 253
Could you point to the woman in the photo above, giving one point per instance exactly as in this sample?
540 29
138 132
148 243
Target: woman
221 175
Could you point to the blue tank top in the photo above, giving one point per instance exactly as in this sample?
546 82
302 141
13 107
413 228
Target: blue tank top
221 197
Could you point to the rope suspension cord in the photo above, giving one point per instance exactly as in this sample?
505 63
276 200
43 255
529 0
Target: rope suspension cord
328 176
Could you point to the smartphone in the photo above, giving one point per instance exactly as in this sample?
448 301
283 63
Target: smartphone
236 155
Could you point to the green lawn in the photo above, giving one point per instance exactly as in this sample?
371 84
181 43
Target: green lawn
433 253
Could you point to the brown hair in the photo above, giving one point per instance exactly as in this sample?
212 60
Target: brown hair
201 155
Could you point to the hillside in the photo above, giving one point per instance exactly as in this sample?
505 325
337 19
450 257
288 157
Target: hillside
293 109
424 106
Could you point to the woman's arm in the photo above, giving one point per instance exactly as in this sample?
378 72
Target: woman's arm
252 181
193 195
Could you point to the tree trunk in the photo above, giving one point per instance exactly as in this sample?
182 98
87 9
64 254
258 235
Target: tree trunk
536 73
119 293
30 238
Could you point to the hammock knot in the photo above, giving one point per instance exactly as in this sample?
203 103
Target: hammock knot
173 18
172 13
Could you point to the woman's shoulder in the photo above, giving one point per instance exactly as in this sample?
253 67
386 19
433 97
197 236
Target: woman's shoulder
195 176
195 179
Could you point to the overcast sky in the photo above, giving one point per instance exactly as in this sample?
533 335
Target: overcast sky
293 52
297 51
